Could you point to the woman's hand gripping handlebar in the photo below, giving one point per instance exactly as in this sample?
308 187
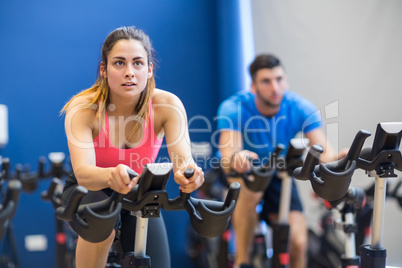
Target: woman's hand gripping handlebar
95 221
331 181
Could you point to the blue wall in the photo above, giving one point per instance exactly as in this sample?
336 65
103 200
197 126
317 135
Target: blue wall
51 50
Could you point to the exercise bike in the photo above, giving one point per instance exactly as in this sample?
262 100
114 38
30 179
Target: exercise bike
10 190
95 221
352 217
331 182
327 246
9 203
262 175
65 238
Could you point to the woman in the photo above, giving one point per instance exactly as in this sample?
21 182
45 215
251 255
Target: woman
119 124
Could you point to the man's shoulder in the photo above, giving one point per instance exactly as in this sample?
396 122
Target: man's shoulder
292 96
236 103
296 100
241 96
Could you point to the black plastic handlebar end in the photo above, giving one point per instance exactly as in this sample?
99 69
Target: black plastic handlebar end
357 144
279 148
6 163
316 149
305 172
297 174
67 213
41 167
131 173
235 186
188 173
14 189
233 194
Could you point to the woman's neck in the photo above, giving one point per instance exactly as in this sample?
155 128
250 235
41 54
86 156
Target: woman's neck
122 106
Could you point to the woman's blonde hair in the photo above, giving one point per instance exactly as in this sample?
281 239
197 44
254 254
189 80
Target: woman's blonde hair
100 89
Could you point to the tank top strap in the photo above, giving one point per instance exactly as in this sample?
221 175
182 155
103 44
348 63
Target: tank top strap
150 123
106 123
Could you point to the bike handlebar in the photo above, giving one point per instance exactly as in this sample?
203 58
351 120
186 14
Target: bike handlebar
331 181
30 179
95 221
262 174
4 174
384 156
53 193
9 204
294 156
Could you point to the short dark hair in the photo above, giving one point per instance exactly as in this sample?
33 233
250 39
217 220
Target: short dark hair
263 61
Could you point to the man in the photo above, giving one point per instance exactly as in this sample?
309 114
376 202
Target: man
251 124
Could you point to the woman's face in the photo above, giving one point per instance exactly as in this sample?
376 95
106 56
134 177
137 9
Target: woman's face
127 69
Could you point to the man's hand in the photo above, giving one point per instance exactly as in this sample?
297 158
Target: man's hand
241 161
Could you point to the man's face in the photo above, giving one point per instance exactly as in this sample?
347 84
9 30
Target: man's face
269 86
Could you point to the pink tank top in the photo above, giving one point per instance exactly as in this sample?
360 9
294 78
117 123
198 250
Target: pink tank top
145 152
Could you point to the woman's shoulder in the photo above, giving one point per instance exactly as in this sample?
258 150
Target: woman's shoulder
166 106
81 105
161 97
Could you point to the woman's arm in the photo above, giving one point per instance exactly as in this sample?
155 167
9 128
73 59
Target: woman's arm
79 123
172 115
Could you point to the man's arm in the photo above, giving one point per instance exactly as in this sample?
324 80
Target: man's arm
317 136
232 154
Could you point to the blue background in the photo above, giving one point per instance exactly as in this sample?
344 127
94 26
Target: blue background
50 50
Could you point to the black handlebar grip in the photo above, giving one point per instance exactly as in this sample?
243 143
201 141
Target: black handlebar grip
6 168
131 173
47 195
9 205
119 197
41 167
233 194
12 194
188 173
357 144
67 213
270 164
305 172
278 149
18 171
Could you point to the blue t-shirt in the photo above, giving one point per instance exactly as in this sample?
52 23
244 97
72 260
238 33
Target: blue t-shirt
262 134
